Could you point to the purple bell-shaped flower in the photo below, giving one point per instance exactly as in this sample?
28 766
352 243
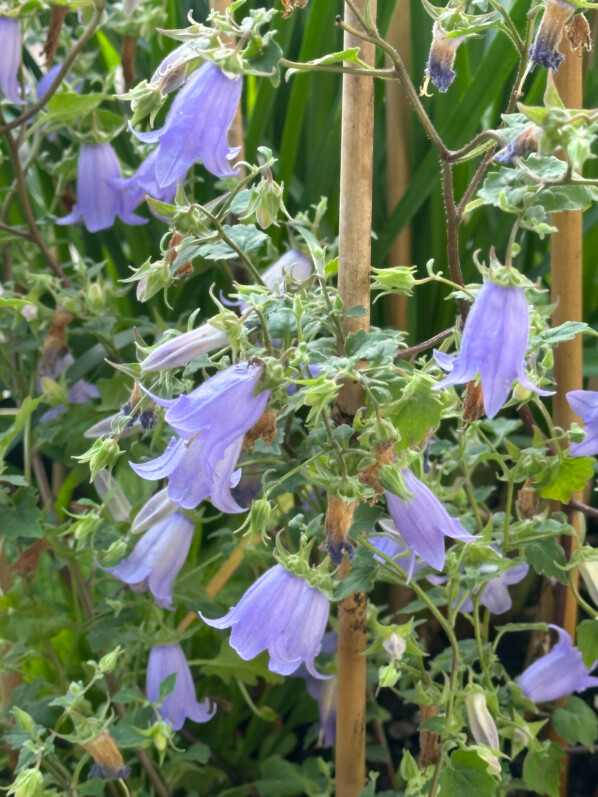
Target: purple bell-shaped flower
585 404
282 614
99 200
196 127
494 345
181 703
10 60
155 561
558 673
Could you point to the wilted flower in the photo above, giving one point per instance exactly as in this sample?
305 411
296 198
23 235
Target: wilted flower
282 614
155 561
181 349
585 404
108 759
196 127
494 345
525 142
558 673
81 392
99 201
544 50
422 521
212 421
10 47
181 703
482 725
442 57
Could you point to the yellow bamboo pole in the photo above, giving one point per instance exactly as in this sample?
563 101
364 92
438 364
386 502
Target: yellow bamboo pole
397 150
357 135
566 276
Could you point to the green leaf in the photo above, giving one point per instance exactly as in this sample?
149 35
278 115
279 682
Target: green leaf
26 410
417 414
587 641
576 722
351 55
542 770
467 775
566 331
280 779
198 752
544 556
572 476
23 519
246 236
66 108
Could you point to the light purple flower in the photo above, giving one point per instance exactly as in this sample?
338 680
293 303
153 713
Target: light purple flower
144 183
81 392
585 404
495 595
181 703
282 614
423 522
558 673
10 61
211 421
157 509
155 561
184 348
324 692
196 127
99 201
494 346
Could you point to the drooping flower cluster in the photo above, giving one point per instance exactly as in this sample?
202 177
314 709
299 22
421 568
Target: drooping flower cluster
181 703
494 345
282 614
212 422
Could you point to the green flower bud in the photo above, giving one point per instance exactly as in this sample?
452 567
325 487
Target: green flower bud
108 662
103 454
29 783
24 720
388 675
398 279
521 393
95 296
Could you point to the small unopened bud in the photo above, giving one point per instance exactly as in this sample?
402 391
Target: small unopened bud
482 726
24 720
589 574
521 393
527 500
108 662
260 515
266 202
95 296
395 646
473 402
108 759
30 312
103 454
161 733
28 783
398 279
388 675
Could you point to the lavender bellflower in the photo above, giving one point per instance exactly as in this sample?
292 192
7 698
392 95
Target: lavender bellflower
494 346
181 703
558 673
181 349
585 404
10 46
144 183
196 127
211 421
423 522
99 200
157 558
282 614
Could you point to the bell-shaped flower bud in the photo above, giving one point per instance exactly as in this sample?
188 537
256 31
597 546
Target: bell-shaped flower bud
481 724
28 783
181 703
280 613
494 345
558 673
186 347
99 200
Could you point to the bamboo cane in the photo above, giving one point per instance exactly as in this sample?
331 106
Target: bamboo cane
357 134
397 150
566 274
